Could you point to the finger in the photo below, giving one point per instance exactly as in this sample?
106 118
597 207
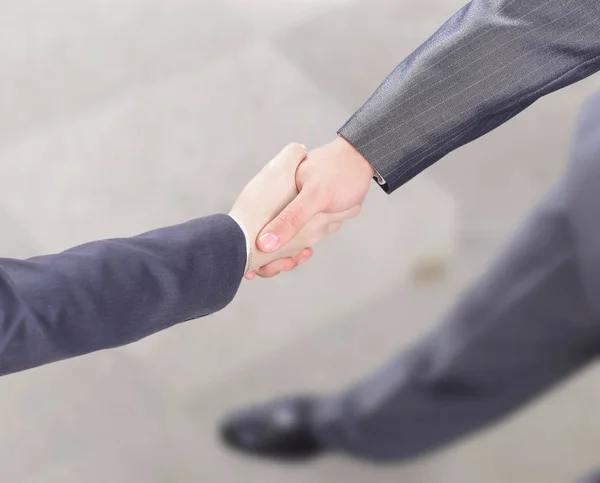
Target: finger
333 227
345 215
326 223
303 256
293 154
283 264
276 267
250 275
351 213
290 221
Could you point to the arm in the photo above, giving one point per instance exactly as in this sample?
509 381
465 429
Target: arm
113 292
490 61
109 293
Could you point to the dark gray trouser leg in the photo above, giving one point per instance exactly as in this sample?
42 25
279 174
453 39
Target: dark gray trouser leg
527 324
593 478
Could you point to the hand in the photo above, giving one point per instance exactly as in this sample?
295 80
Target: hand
266 195
332 180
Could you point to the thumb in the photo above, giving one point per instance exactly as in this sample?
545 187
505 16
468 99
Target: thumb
289 222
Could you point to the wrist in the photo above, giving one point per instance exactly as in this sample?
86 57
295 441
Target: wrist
345 149
254 257
248 241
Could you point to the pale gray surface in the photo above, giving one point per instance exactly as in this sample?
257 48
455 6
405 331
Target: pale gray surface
117 117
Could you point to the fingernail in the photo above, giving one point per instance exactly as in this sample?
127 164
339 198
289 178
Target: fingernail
268 242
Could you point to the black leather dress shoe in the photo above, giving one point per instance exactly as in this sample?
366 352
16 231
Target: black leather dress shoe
280 430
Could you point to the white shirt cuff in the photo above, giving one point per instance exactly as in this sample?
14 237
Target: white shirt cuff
248 250
379 178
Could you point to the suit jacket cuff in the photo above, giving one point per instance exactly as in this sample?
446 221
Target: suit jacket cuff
377 167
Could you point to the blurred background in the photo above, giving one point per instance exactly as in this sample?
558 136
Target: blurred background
121 116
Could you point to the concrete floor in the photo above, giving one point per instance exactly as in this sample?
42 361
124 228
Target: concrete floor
118 117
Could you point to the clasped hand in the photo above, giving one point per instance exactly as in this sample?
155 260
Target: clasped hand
298 198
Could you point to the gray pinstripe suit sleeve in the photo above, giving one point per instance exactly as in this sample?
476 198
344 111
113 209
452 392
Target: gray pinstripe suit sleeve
490 61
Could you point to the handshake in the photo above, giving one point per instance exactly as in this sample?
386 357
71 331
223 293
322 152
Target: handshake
298 198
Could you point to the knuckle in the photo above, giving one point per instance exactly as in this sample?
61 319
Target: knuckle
268 272
354 212
290 220
333 227
296 149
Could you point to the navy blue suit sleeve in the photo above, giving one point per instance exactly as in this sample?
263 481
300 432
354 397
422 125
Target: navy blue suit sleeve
110 293
489 62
